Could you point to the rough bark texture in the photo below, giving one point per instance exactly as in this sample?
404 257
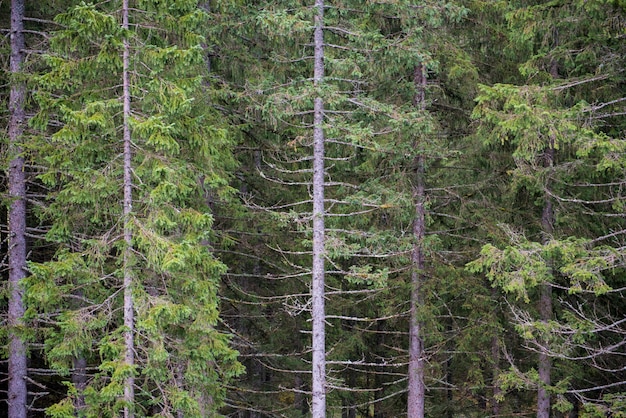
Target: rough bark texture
317 289
545 302
417 387
17 390
129 319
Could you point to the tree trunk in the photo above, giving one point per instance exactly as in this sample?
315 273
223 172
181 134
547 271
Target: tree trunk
545 302
417 389
17 390
79 379
379 382
299 401
545 298
129 319
495 358
317 289
545 363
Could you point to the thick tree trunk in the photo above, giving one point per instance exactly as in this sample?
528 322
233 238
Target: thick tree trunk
17 391
129 318
317 289
417 388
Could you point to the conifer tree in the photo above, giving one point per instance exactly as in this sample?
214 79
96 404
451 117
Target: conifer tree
133 156
318 270
17 391
417 389
367 116
129 302
559 167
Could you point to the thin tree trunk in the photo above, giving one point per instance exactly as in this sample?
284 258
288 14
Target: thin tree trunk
299 401
379 382
545 302
348 409
79 379
317 289
417 388
17 390
79 362
129 319
495 358
545 298
545 363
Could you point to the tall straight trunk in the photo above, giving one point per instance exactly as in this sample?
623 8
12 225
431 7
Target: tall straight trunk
17 391
417 388
545 362
495 358
545 302
318 408
129 319
545 297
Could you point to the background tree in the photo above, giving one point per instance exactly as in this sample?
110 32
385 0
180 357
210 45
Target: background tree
554 167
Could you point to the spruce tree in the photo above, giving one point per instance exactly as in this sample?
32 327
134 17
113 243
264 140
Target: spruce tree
369 116
134 154
16 178
558 172
318 270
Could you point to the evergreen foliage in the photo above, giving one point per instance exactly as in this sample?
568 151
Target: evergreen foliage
473 181
180 158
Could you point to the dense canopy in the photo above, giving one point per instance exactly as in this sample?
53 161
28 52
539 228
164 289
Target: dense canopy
288 208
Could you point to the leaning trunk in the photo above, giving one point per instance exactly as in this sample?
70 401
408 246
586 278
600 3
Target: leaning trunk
17 391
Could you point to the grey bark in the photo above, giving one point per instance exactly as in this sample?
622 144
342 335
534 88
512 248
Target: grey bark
417 388
318 408
17 390
129 319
